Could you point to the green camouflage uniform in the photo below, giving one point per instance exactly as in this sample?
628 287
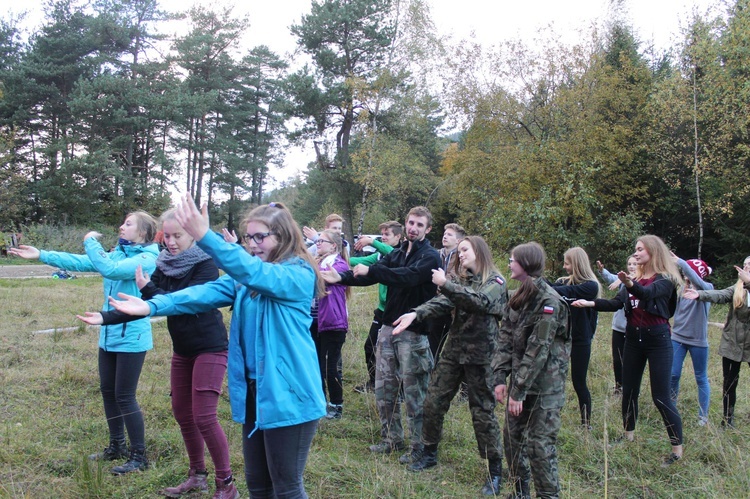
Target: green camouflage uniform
534 353
466 356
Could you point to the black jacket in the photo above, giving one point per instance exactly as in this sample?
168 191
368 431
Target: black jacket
408 277
191 334
659 298
584 319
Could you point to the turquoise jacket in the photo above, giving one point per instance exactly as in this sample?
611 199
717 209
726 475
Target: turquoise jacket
118 269
269 336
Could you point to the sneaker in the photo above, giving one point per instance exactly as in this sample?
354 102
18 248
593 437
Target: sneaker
617 391
136 462
116 450
334 411
670 460
386 447
702 421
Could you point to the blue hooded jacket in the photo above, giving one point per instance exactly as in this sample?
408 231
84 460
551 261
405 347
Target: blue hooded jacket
269 336
118 269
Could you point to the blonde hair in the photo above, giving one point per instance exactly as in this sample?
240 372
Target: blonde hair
739 298
580 267
660 261
146 225
338 242
279 221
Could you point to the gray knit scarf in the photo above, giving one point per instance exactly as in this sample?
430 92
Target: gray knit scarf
180 264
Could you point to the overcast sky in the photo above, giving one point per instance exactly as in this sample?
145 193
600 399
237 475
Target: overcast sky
489 22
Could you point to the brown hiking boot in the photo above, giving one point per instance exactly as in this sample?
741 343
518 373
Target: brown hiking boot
196 481
225 489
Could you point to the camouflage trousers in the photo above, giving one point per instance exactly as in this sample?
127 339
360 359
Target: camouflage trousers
445 381
530 443
401 360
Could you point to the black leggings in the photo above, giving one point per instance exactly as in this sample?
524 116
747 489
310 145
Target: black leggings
731 370
652 345
618 345
370 343
118 380
579 368
328 345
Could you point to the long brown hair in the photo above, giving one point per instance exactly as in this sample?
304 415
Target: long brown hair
531 257
279 221
580 267
485 264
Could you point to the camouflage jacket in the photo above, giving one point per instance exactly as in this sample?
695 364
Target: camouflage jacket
534 347
478 305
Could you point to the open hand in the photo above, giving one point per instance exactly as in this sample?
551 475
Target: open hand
403 322
194 222
130 305
91 318
26 252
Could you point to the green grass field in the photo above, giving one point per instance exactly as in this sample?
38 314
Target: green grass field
51 418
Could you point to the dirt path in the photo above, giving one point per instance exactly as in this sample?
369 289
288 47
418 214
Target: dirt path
34 271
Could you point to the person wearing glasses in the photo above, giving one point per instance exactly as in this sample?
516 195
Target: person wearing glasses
331 320
273 374
199 359
333 222
529 368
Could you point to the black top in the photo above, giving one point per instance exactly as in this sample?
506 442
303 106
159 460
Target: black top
408 277
583 319
192 334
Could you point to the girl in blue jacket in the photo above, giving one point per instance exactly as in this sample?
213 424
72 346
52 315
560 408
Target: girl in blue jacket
273 373
122 347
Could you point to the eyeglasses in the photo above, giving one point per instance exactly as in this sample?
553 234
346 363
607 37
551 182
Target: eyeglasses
320 241
258 237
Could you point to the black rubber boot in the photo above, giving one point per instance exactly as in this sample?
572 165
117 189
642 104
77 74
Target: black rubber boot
523 489
136 462
428 459
728 421
117 449
495 481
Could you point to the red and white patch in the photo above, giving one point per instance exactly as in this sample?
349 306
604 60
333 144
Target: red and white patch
549 310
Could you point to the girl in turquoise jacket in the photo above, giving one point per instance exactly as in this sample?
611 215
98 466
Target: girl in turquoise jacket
122 347
274 378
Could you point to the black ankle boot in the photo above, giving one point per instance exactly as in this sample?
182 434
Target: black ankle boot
523 489
117 449
495 481
136 462
428 459
728 421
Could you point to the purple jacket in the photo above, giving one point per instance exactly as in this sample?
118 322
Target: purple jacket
332 313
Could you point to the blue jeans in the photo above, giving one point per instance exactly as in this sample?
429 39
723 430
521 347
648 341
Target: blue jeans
699 356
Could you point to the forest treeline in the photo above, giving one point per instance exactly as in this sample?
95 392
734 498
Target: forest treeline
587 144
